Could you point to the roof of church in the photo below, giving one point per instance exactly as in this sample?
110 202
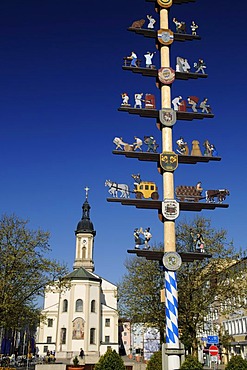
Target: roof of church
85 225
82 274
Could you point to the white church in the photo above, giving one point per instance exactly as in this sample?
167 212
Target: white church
84 315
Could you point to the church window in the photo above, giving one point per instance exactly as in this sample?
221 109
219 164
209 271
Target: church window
79 305
50 323
107 322
48 340
107 339
65 305
93 305
63 336
92 335
83 252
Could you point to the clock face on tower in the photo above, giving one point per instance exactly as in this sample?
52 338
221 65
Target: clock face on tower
84 242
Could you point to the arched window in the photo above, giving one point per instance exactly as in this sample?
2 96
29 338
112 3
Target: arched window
92 335
63 336
65 305
84 252
93 305
79 305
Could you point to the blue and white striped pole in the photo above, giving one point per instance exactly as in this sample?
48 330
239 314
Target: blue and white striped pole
171 308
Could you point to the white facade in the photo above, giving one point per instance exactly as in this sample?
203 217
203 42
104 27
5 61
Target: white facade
85 314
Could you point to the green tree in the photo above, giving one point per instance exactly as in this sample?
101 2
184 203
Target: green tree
139 293
203 285
191 363
111 360
155 362
25 271
236 363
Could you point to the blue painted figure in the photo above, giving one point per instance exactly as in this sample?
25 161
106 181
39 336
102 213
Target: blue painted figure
133 58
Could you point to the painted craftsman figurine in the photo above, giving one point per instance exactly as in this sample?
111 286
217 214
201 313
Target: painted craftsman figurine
138 240
137 144
182 65
147 236
182 146
200 66
180 26
133 58
210 150
151 143
199 186
152 22
200 243
193 100
204 106
191 241
193 27
176 102
138 100
118 141
125 101
149 56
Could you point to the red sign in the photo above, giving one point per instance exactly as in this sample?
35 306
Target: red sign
213 350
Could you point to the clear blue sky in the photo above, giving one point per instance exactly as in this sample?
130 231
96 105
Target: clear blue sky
61 83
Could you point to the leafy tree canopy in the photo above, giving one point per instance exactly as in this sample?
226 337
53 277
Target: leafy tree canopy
25 270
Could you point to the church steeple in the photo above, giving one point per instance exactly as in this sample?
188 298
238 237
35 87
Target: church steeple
85 234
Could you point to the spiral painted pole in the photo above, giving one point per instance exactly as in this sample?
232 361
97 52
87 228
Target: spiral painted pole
171 308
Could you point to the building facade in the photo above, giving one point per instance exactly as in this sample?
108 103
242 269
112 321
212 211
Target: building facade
83 314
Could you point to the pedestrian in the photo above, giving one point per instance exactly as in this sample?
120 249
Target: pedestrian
81 355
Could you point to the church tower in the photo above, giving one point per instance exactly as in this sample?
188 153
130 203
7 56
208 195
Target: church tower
85 234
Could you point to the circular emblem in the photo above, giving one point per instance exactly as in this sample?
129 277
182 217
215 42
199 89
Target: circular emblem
166 75
165 37
172 261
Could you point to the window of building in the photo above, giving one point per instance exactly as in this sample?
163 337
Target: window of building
125 333
45 349
79 305
63 336
107 339
48 340
92 335
93 305
107 322
65 305
50 323
125 342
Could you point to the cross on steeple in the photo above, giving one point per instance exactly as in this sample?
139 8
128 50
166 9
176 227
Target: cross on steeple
86 189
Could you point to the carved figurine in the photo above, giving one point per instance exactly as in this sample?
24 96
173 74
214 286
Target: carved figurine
137 144
207 149
151 143
191 241
138 100
182 146
133 58
213 151
180 26
196 148
139 240
176 102
114 188
138 24
200 66
199 186
137 178
182 65
118 141
149 56
199 243
152 22
125 101
193 27
193 100
204 106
